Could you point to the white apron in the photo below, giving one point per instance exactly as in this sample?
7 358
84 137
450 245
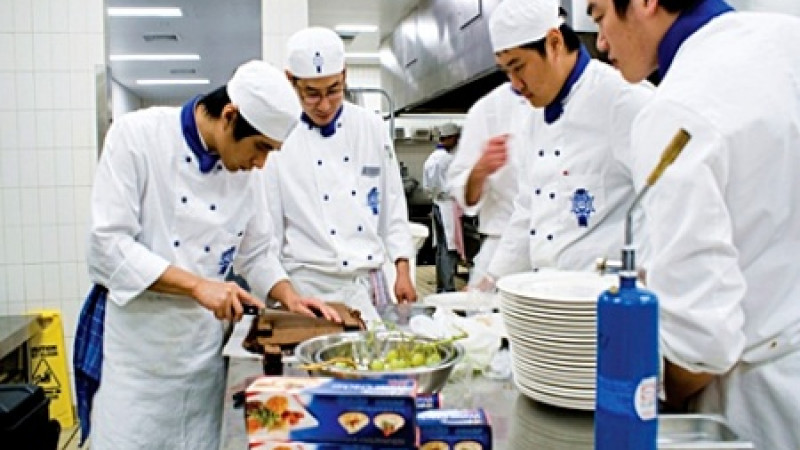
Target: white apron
354 290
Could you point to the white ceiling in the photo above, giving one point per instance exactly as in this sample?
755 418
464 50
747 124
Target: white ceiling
224 34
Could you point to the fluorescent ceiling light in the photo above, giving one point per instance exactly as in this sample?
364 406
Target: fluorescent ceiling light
356 28
155 57
173 81
144 12
367 55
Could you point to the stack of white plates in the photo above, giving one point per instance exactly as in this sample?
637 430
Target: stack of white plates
550 319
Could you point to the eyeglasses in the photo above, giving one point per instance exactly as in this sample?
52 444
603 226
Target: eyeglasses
310 97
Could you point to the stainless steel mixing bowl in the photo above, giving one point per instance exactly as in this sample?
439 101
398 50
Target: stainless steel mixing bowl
362 347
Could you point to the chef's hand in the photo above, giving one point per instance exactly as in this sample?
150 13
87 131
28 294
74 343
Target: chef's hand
224 299
404 290
285 293
494 156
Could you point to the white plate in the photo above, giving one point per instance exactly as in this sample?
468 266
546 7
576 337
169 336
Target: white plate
557 286
464 301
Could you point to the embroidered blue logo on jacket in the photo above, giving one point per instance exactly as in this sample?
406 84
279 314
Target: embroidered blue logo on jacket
318 61
373 200
226 259
582 206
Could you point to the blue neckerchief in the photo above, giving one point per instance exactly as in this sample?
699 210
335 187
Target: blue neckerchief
684 26
516 92
192 137
554 110
325 130
87 360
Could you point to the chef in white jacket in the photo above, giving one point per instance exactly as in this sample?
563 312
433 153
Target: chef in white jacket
173 208
445 213
723 223
574 181
335 190
479 177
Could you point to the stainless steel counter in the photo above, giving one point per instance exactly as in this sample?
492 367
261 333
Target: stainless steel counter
16 331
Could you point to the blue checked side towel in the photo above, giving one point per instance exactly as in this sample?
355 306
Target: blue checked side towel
87 358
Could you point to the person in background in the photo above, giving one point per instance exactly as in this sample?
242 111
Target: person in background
335 189
479 177
445 213
723 223
574 181
172 212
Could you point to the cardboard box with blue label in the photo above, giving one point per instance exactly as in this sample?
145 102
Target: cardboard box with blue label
454 429
326 410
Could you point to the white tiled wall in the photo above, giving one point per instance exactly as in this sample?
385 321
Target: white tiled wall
49 50
279 20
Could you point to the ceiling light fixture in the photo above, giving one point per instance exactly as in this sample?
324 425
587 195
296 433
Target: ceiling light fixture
144 12
356 28
155 57
173 81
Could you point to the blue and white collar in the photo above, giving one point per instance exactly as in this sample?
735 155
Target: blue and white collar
327 130
553 111
684 26
191 135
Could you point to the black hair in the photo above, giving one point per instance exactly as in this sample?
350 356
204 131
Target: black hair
215 101
673 6
571 40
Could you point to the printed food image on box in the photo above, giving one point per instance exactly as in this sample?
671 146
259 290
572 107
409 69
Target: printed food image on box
294 445
454 429
326 410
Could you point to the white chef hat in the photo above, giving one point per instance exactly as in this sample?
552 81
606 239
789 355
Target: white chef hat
265 99
315 52
517 22
448 129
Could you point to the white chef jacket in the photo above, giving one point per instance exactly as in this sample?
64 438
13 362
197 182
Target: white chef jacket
338 202
163 380
724 220
574 181
434 182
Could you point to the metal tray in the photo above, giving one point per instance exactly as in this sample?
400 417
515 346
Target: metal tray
697 432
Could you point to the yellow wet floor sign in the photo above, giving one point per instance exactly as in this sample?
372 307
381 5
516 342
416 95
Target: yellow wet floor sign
48 365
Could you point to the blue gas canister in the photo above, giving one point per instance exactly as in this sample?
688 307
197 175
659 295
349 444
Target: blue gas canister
626 412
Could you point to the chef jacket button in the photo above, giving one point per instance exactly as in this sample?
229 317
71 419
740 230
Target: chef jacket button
533 232
219 167
177 243
353 193
213 207
535 269
566 172
344 263
207 249
369 257
549 237
184 199
319 162
541 152
333 232
552 195
360 228
538 191
188 159
346 159
773 344
339 125
325 197
558 152
240 233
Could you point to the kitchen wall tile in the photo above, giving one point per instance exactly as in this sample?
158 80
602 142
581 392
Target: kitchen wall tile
67 244
68 278
43 83
61 95
65 174
97 51
41 16
33 305
8 91
6 18
29 198
16 283
32 244
42 51
49 239
83 160
23 51
83 282
25 91
47 168
34 282
51 283
78 52
60 52
3 261
62 124
59 12
6 47
81 238
12 210
82 95
95 15
44 126
83 128
65 206
8 131
76 16
17 308
10 167
47 205
28 172
68 322
26 129
23 16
